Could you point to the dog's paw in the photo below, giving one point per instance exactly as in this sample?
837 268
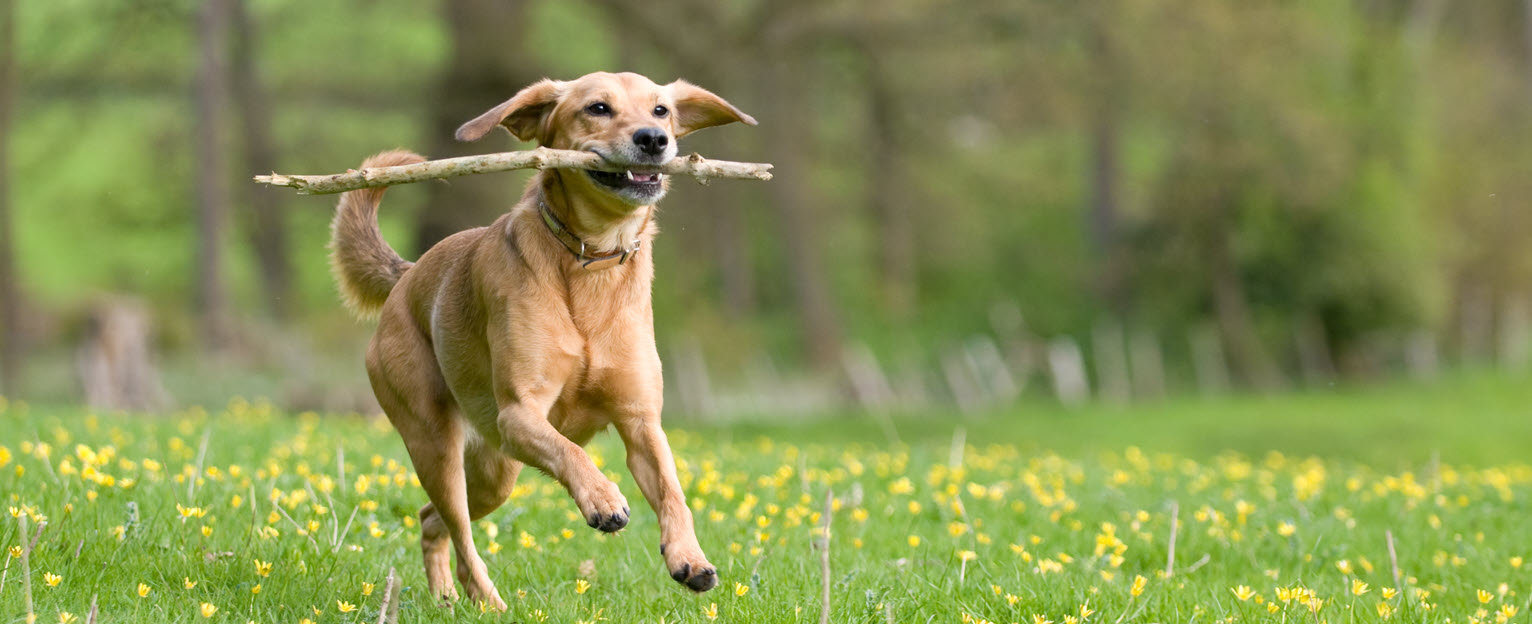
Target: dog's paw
689 567
604 508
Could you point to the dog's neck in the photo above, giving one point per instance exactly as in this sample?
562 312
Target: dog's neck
603 224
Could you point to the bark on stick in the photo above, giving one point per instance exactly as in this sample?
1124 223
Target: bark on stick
541 158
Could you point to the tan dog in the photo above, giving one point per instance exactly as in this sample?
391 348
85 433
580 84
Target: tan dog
515 343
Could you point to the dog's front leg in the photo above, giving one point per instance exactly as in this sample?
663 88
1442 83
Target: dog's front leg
654 469
529 437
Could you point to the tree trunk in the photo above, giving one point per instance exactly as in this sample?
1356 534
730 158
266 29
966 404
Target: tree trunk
1246 353
732 241
486 67
266 221
212 186
1105 175
887 193
782 88
10 295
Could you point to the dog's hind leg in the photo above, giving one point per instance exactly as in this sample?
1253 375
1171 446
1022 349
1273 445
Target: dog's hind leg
417 401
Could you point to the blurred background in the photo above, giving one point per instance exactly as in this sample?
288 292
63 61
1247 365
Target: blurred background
976 204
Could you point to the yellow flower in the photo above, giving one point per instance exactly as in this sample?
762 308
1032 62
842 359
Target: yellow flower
1086 611
1286 529
1358 587
208 610
1389 593
1515 562
143 590
1344 566
1485 596
967 555
914 541
741 589
581 585
1139 582
15 552
263 568
66 617
52 579
1384 610
344 607
188 582
366 589
526 540
1038 618
1242 592
207 531
957 528
711 611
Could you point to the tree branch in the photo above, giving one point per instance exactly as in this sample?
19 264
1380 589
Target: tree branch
541 158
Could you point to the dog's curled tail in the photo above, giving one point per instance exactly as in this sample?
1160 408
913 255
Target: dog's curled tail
365 267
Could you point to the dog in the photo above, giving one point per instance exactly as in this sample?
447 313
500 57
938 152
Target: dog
514 344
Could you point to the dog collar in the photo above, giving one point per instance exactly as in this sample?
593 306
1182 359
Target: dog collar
576 245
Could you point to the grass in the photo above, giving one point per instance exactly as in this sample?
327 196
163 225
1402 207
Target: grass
1044 514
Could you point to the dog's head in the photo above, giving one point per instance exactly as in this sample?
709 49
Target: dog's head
625 118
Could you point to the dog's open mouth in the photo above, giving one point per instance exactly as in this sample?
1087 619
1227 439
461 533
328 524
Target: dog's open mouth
620 180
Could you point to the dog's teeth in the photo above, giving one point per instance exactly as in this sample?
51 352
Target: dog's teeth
630 176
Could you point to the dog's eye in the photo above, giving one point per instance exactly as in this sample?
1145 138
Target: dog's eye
599 109
661 111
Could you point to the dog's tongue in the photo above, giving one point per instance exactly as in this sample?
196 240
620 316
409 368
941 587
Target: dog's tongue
643 177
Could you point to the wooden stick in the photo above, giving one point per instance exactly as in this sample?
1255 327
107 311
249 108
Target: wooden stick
388 612
1170 556
541 158
1393 559
824 560
26 571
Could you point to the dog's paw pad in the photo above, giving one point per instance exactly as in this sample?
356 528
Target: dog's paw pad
705 578
608 523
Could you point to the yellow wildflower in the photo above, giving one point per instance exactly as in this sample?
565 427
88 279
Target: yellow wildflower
1242 592
1358 587
263 568
344 607
914 541
741 589
52 579
1139 582
366 589
1389 593
188 582
66 617
256 589
1485 596
143 590
581 585
208 610
711 611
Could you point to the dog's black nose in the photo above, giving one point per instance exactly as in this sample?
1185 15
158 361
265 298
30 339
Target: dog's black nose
652 141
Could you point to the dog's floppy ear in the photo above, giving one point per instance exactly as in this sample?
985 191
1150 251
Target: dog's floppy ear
698 108
523 114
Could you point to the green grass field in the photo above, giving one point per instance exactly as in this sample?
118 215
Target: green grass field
1281 509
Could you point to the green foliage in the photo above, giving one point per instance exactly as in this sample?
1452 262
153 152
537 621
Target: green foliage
1365 166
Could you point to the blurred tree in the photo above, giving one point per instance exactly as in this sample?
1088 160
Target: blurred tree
760 48
486 66
265 221
10 292
211 180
